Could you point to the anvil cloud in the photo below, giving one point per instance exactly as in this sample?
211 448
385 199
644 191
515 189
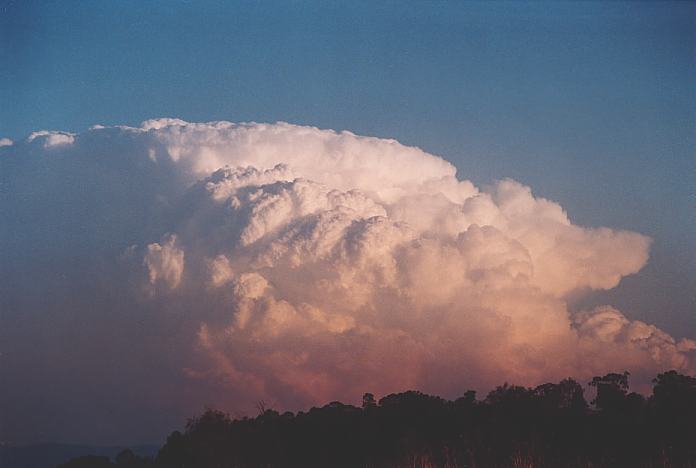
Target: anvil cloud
297 265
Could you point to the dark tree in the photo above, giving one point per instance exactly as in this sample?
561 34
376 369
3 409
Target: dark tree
611 391
550 425
368 401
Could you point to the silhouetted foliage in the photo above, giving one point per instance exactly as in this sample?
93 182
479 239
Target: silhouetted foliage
611 391
368 401
548 426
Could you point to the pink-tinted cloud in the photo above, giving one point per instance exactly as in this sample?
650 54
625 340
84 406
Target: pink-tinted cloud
299 265
349 263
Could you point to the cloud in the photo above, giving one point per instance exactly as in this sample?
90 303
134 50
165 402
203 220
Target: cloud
300 265
633 339
52 138
165 262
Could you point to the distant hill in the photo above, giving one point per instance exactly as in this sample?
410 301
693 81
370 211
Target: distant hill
51 455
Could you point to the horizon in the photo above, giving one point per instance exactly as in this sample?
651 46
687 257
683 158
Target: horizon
588 395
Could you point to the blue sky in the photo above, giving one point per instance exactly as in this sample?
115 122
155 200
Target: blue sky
592 104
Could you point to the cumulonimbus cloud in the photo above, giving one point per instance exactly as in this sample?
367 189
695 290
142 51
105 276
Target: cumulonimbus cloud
317 265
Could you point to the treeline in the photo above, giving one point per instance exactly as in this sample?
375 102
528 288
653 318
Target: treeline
551 425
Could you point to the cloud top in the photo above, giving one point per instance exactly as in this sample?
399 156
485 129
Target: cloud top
51 138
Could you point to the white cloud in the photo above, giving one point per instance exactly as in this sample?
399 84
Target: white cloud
52 138
321 264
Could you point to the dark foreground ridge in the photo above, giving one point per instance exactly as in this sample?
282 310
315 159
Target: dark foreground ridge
548 426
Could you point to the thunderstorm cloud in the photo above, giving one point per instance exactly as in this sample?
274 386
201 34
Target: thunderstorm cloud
295 265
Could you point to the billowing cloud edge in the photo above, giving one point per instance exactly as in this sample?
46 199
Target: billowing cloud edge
323 264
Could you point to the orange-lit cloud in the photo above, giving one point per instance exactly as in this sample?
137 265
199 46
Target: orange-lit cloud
317 265
351 263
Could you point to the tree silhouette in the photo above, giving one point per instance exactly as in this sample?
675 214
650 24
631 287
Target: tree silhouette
368 401
550 425
611 391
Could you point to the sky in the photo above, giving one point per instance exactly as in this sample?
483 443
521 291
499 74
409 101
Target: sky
592 105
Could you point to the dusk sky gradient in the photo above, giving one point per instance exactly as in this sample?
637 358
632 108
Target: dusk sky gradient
592 105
